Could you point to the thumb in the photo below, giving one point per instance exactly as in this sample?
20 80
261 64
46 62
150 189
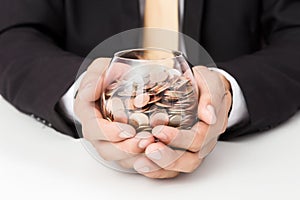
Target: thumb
206 110
91 84
88 91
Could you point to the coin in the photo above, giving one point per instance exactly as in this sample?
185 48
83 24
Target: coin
141 100
120 116
138 119
163 105
155 99
175 120
159 118
151 96
129 104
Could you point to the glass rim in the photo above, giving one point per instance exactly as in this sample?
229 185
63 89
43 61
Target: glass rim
176 54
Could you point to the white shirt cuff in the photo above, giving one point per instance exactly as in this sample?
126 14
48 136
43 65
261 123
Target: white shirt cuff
239 111
67 101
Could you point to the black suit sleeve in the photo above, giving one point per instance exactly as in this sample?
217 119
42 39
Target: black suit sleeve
35 71
270 78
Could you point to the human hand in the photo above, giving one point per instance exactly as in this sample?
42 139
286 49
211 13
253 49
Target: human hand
112 140
191 146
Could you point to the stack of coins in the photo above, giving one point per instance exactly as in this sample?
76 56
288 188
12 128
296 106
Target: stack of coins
149 96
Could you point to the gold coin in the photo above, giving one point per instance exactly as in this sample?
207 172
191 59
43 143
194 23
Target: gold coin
161 88
154 99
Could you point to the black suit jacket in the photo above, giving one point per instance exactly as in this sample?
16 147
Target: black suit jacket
43 42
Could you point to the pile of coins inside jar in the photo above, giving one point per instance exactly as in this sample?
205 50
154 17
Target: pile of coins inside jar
151 95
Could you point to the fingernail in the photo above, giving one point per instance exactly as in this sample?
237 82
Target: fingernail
157 132
143 144
144 169
127 131
213 117
156 155
143 135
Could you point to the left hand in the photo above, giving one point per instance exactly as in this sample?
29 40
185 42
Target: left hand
162 161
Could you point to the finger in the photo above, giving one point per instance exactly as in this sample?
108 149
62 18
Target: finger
90 86
94 127
208 148
191 140
85 110
101 129
227 101
128 163
161 174
174 160
212 91
149 169
115 72
125 149
99 65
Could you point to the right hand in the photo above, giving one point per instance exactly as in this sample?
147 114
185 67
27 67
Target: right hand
113 141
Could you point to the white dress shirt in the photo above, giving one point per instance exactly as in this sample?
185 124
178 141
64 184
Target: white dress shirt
238 112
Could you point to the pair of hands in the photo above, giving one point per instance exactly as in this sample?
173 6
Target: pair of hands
119 142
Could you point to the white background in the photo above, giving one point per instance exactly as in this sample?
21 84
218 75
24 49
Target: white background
39 163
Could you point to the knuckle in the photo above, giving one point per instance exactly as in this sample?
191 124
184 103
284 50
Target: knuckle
158 174
197 142
193 166
132 149
194 148
110 137
172 166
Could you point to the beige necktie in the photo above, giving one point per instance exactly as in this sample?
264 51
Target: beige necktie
161 15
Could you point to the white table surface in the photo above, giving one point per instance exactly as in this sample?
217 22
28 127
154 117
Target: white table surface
40 163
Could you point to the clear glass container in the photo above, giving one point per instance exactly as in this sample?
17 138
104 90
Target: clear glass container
149 87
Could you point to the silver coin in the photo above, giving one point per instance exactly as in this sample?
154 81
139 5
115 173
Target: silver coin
175 120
